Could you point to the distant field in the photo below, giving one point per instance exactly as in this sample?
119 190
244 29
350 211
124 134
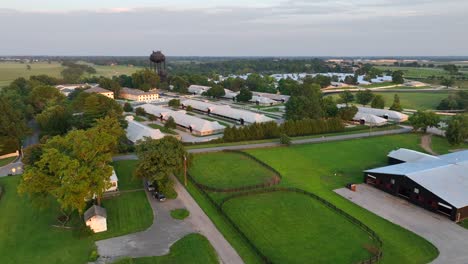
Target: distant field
414 100
416 72
9 71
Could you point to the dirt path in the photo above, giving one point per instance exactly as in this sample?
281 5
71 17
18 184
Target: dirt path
426 144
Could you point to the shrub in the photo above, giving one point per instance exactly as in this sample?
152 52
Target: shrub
94 255
285 140
180 214
140 111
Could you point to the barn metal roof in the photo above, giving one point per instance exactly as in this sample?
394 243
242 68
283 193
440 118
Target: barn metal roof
409 155
446 176
136 131
181 118
227 111
370 119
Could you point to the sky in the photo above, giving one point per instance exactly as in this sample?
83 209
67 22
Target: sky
234 28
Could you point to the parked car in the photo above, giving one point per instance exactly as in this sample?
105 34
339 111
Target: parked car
159 196
150 186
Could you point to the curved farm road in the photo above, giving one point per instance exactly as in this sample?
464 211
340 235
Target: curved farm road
165 231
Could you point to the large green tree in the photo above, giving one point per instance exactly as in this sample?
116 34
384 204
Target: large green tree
159 159
73 168
397 77
457 130
396 105
54 120
364 97
244 95
421 120
305 103
43 96
145 80
378 102
216 91
13 127
346 97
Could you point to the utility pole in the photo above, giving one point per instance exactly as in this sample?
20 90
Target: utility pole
185 170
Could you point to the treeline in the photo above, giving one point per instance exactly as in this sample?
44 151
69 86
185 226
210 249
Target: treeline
37 99
291 128
456 101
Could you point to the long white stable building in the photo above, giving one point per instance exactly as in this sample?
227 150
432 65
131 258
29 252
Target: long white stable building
384 113
192 124
137 131
225 111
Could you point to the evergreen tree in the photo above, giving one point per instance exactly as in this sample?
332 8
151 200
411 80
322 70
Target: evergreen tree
378 102
396 106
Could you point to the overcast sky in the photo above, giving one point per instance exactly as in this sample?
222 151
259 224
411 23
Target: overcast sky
235 28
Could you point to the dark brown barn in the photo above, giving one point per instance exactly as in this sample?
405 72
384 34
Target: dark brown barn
437 183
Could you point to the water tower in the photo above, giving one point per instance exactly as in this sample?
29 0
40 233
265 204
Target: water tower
158 64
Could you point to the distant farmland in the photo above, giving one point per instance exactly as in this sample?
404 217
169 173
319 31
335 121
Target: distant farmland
10 71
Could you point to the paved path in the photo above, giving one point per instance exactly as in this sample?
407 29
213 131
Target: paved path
294 142
448 237
426 144
304 141
165 231
154 241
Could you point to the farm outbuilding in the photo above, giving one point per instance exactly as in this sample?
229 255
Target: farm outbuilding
369 119
198 89
137 131
225 111
436 183
96 218
190 123
384 113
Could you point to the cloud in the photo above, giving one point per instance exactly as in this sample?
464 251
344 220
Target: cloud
294 27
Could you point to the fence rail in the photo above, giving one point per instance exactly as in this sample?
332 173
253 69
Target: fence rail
268 188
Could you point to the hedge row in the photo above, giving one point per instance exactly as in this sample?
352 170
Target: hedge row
291 128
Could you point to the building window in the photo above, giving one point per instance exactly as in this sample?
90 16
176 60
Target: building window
392 181
416 190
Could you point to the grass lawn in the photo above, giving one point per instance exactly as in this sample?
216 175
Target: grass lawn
441 146
228 170
320 168
180 214
464 223
163 129
10 71
413 100
417 72
6 161
193 248
26 234
124 170
128 213
294 228
139 118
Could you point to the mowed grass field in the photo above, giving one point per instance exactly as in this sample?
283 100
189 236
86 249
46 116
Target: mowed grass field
27 234
231 171
193 248
413 100
294 228
318 168
10 71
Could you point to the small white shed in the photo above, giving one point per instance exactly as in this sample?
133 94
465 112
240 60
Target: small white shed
96 218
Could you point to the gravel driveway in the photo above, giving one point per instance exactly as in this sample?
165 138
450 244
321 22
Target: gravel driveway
450 238
165 231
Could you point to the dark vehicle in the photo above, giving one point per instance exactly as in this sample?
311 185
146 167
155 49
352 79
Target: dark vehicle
150 186
159 196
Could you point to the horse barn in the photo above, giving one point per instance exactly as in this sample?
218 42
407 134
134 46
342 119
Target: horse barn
225 111
190 123
436 183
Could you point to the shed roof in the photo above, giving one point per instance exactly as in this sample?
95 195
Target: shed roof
370 119
182 119
97 89
409 155
227 111
445 176
136 131
135 91
94 211
393 115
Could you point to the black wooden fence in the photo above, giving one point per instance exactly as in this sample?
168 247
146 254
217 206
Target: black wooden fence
267 188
